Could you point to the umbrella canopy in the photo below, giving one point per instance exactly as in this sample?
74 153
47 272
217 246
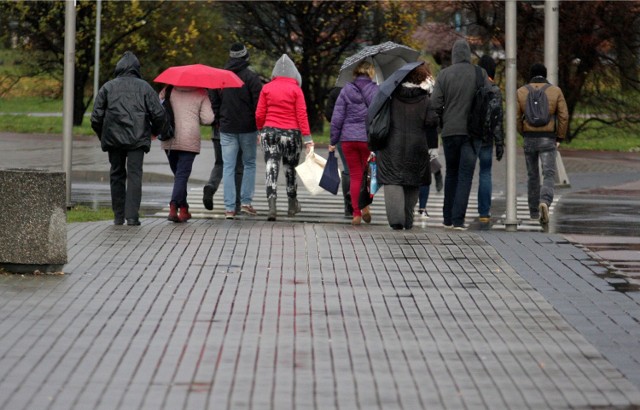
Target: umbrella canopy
390 84
199 75
386 58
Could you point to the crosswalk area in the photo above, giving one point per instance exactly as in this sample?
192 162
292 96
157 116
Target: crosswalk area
328 208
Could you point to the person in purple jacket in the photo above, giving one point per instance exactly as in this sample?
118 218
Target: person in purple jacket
349 127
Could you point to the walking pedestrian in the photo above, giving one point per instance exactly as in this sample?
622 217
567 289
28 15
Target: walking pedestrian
452 96
282 119
485 158
349 128
191 108
126 113
436 171
403 164
542 141
235 109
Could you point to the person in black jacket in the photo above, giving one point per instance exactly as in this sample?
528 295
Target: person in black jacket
126 113
403 164
235 110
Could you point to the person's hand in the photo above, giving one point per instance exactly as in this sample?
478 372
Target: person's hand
332 148
557 144
499 152
308 147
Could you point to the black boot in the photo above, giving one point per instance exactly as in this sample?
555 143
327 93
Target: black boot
346 193
273 212
294 207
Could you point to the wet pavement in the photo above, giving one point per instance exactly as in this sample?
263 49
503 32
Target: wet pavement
310 312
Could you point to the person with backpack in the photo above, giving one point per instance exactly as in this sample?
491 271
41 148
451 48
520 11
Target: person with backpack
493 135
235 110
542 119
452 96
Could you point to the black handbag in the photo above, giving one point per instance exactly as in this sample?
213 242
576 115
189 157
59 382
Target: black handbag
365 198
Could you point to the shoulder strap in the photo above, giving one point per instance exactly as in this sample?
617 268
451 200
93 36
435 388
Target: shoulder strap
479 82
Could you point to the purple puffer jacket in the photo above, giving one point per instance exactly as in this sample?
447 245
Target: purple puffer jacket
348 122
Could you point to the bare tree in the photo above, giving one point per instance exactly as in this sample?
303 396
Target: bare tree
315 34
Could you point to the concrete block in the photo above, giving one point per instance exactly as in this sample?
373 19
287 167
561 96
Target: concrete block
33 222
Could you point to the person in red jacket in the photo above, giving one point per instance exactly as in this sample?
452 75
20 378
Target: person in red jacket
281 117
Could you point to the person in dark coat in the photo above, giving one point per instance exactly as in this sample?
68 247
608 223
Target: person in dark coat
403 165
235 110
349 128
126 113
485 157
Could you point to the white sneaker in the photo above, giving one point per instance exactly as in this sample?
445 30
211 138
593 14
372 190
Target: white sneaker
544 213
459 228
423 214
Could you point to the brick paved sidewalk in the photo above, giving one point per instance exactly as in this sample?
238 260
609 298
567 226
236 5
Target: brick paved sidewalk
216 314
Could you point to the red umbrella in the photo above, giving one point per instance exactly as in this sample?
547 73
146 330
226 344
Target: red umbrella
199 75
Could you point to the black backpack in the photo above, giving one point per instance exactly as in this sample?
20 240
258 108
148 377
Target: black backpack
536 110
169 131
485 115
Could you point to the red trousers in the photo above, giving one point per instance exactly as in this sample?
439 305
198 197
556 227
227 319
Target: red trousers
356 154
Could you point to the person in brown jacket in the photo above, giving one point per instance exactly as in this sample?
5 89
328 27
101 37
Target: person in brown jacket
541 142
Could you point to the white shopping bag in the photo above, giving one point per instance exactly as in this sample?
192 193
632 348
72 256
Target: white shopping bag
310 172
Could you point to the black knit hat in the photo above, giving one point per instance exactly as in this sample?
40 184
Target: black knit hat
238 50
538 70
489 65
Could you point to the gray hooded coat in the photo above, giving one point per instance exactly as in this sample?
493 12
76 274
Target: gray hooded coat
454 90
127 110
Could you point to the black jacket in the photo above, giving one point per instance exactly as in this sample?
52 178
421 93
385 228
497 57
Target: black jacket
235 108
405 158
127 110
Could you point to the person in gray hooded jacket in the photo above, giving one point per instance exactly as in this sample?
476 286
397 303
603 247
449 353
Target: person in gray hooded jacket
126 113
452 97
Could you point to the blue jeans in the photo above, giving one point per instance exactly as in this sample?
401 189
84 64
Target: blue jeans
231 144
460 156
181 163
541 149
485 183
423 196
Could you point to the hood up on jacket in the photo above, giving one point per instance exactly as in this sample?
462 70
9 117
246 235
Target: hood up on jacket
236 64
286 68
460 53
128 65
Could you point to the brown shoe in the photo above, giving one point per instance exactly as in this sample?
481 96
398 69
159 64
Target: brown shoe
366 215
357 220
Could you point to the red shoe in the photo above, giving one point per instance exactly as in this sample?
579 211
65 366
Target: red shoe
184 214
173 213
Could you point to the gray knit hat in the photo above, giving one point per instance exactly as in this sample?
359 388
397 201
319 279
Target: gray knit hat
238 50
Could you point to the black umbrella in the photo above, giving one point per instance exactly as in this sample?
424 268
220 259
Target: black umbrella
389 86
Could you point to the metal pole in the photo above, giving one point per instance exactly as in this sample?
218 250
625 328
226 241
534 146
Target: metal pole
96 61
511 220
551 23
551 40
67 92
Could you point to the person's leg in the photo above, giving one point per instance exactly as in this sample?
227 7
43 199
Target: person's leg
346 183
184 164
410 199
215 177
135 160
548 162
468 158
394 205
272 157
484 182
451 148
249 151
423 199
530 147
291 146
239 176
356 170
230 147
118 183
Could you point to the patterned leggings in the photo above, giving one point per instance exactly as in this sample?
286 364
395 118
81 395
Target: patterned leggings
285 145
